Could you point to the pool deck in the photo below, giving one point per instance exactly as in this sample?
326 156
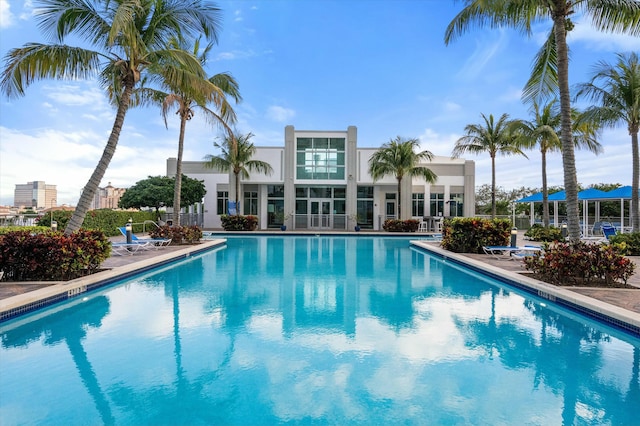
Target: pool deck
622 304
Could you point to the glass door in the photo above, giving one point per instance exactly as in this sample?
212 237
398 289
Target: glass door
320 214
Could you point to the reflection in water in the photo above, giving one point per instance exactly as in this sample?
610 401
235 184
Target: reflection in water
322 330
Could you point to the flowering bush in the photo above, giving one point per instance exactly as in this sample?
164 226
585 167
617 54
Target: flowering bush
628 243
580 264
52 256
395 225
239 223
178 234
469 234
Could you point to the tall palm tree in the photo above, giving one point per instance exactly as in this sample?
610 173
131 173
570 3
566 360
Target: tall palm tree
186 99
237 151
606 15
494 137
398 157
129 38
544 133
616 88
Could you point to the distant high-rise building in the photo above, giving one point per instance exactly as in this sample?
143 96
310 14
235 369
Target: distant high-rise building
107 197
35 194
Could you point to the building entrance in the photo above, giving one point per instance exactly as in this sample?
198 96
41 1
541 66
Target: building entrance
320 217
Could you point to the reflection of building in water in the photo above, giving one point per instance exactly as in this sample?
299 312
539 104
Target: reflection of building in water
321 181
323 282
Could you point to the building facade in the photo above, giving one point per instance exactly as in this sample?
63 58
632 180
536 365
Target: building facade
107 197
320 181
36 194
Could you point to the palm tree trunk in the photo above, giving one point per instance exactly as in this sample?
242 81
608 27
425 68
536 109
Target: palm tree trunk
568 155
399 200
545 190
635 208
493 186
89 191
237 191
177 189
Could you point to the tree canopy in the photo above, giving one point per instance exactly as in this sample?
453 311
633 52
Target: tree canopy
157 191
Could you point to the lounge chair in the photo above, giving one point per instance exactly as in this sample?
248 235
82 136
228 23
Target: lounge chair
508 251
608 231
152 242
121 249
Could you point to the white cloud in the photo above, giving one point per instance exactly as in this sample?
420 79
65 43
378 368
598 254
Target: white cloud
67 159
585 32
441 145
76 95
238 15
280 114
485 52
6 16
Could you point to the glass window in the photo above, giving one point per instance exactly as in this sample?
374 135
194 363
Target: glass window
319 192
275 191
456 204
337 143
339 192
251 202
417 204
320 158
390 196
301 192
365 192
223 200
436 204
304 143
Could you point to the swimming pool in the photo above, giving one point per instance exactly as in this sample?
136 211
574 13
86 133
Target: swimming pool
322 330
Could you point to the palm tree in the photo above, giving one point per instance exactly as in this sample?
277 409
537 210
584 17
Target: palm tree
186 99
492 137
544 132
237 151
606 15
398 157
130 41
616 88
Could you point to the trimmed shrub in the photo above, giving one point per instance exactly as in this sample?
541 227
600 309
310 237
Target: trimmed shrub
544 234
629 244
178 234
31 229
106 220
396 225
580 264
239 222
52 256
469 234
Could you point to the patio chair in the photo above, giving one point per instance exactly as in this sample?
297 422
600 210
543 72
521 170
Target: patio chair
608 231
121 249
152 242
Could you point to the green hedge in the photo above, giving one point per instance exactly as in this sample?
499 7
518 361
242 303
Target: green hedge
469 234
106 220
396 225
51 256
178 234
239 222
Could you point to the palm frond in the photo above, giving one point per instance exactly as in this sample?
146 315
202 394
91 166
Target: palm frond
543 82
37 61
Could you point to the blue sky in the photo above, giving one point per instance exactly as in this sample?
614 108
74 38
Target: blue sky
319 65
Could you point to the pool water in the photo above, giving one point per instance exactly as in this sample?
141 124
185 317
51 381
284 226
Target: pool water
315 330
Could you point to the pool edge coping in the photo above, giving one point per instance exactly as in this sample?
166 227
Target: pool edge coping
21 304
606 312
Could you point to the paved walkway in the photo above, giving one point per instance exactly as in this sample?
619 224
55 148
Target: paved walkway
625 298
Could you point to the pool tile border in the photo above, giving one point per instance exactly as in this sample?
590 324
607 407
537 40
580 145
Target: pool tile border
16 306
614 316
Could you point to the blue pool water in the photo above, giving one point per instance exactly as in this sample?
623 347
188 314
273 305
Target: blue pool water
315 330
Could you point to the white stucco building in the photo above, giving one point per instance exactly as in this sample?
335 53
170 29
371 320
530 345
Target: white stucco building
321 182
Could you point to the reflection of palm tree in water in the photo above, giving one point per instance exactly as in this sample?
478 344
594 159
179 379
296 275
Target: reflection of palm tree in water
70 325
